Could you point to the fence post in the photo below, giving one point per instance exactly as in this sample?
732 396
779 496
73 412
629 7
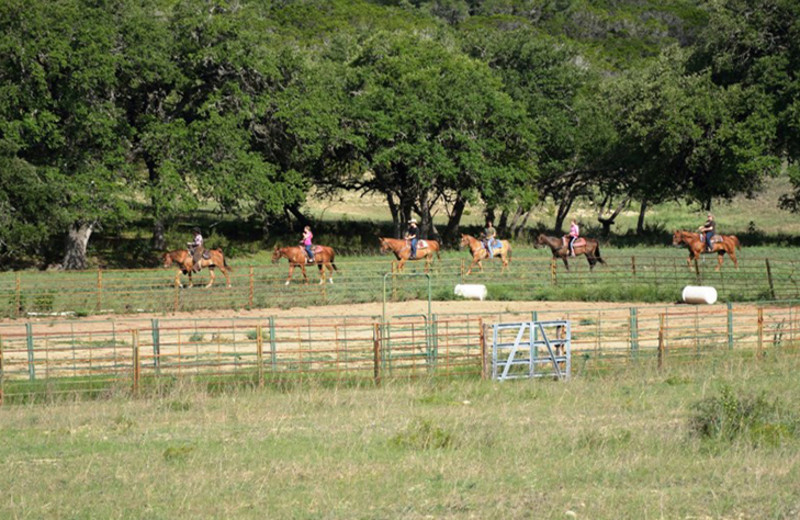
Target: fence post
136 359
18 297
252 289
272 344
660 341
260 353
769 279
177 297
99 304
634 328
553 279
461 275
482 343
156 345
31 360
376 355
759 351
730 326
633 267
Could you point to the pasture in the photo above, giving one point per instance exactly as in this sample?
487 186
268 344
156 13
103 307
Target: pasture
624 445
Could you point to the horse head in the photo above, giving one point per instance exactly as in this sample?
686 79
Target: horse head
167 259
276 255
464 241
540 240
677 238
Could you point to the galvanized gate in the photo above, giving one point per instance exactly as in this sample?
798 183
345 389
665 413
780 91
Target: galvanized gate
531 349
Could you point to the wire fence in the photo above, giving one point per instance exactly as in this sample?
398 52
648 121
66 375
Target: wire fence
360 280
90 356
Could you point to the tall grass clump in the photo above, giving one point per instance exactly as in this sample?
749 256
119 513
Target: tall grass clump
729 416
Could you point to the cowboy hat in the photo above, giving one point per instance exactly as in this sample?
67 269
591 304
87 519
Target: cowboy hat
412 221
196 230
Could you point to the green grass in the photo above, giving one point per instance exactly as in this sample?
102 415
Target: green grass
620 445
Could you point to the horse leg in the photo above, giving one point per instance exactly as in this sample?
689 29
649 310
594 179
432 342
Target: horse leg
303 269
330 272
211 277
291 272
178 279
719 259
227 277
592 261
566 264
321 273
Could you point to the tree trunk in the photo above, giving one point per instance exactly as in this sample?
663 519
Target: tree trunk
502 226
294 209
640 221
396 219
425 219
77 240
158 241
451 232
563 211
608 222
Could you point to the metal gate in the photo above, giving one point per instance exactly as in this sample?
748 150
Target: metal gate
531 349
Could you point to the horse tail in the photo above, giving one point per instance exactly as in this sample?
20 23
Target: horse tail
333 255
736 241
225 261
509 252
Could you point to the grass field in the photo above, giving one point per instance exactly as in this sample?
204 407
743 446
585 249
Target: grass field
711 440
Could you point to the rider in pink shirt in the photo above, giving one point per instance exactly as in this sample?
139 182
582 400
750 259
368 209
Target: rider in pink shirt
307 236
574 232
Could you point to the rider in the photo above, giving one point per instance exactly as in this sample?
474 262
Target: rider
196 249
488 238
412 234
307 236
710 229
574 233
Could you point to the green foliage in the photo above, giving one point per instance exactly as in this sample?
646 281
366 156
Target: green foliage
422 434
755 419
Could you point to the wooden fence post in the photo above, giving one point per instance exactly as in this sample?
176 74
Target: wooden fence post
769 279
18 297
376 353
177 297
553 279
634 332
483 347
633 267
759 348
136 360
260 353
99 304
660 341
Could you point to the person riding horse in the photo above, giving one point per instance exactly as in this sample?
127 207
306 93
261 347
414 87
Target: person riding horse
306 242
196 249
574 233
488 239
709 229
412 235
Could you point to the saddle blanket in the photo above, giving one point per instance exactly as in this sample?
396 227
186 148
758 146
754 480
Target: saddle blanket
580 241
316 249
714 239
494 243
422 244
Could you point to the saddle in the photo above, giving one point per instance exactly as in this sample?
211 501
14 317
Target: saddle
716 238
580 241
493 243
316 249
421 244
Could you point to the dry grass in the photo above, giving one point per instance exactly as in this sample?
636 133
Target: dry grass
617 446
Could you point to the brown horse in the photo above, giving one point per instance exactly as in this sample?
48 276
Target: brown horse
183 260
694 242
583 246
480 253
402 251
297 257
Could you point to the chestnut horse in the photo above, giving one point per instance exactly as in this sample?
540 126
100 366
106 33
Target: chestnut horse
694 242
480 253
297 257
583 246
402 251
183 260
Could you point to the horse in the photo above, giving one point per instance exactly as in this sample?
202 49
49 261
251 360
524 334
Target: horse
583 246
297 257
694 242
402 251
183 260
480 253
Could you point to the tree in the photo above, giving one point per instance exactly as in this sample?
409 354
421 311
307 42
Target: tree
59 115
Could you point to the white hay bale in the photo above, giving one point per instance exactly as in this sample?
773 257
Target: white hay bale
474 291
699 294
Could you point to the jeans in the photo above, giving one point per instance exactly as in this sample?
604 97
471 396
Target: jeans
309 252
414 247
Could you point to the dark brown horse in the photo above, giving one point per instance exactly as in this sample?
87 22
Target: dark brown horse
183 260
297 257
402 251
694 242
583 246
480 253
